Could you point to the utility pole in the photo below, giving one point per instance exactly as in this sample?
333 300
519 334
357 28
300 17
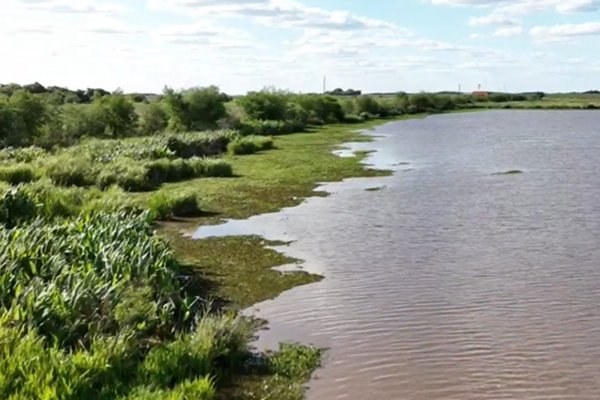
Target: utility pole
324 84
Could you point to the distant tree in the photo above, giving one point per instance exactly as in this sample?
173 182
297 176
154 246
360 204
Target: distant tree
268 104
321 108
195 109
35 88
22 117
117 113
154 119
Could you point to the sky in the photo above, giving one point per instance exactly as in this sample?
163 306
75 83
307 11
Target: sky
243 45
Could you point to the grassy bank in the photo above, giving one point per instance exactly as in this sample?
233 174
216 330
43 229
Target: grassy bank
238 269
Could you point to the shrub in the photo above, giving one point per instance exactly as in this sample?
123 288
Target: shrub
197 108
367 104
154 119
18 173
321 108
267 104
117 113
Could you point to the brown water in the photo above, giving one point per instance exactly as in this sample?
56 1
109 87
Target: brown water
452 282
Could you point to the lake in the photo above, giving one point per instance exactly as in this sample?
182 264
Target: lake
449 280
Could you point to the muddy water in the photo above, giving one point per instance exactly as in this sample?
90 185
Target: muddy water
451 282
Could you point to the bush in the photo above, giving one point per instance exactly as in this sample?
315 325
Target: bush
250 145
368 105
267 104
321 108
154 119
194 109
18 173
117 113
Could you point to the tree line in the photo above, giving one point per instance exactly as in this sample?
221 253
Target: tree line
30 116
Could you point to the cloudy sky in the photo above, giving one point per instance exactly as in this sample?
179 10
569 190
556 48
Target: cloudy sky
241 45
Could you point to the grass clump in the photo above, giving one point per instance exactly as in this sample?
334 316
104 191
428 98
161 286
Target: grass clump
250 145
67 170
15 174
164 205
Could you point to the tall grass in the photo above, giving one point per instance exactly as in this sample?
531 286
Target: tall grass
18 173
250 145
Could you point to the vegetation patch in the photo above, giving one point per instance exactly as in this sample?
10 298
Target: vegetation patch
510 172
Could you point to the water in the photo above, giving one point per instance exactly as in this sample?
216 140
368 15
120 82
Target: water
452 282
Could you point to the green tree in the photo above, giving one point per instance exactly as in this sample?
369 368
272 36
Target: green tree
195 109
154 119
268 104
117 113
22 117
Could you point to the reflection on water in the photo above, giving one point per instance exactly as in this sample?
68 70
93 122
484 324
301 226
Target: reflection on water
453 282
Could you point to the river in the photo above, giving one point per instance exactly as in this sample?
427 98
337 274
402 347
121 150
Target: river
451 281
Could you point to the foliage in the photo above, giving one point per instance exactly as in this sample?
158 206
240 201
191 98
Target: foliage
195 109
367 105
154 119
15 207
164 205
18 173
250 145
270 127
22 117
118 114
294 360
321 109
268 104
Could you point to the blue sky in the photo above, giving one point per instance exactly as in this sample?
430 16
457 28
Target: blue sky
241 45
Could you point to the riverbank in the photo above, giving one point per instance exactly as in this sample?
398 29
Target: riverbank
237 272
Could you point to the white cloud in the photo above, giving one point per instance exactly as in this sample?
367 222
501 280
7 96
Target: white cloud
75 6
520 7
493 19
562 32
509 31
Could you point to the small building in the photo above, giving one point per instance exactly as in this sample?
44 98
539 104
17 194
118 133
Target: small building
480 93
